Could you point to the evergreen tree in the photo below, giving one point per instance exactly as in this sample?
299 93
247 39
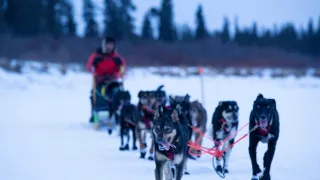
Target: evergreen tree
186 33
112 20
201 30
71 24
91 27
317 39
3 23
147 32
24 17
126 19
236 30
254 34
225 34
166 22
287 38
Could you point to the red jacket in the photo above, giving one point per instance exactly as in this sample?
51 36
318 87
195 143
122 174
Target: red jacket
107 66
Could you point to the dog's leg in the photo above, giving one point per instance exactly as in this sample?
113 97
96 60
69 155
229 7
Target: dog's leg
197 136
128 136
227 156
121 137
185 169
253 143
167 171
267 159
151 151
179 171
134 146
140 139
158 172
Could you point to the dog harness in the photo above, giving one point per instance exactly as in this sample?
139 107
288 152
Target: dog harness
264 131
145 116
224 125
170 154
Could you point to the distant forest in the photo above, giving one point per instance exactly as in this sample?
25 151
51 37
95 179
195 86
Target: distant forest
55 19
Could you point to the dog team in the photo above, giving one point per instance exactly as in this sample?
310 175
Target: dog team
171 129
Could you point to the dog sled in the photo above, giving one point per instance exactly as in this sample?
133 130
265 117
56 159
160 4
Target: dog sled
104 112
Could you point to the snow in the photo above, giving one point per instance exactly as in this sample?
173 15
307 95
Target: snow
44 130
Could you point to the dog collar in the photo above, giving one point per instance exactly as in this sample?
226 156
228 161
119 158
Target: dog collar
170 154
264 131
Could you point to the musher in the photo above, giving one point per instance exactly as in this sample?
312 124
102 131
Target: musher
105 62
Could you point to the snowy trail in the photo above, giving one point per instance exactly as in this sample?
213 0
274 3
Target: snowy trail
44 133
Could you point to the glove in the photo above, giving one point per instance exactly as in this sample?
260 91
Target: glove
121 70
117 61
97 60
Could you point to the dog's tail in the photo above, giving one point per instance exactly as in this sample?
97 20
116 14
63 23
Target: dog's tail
160 88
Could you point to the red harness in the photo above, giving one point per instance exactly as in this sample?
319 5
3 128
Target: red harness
170 154
264 131
224 123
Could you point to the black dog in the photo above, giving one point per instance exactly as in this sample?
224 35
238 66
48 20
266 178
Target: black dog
225 124
128 121
264 121
170 132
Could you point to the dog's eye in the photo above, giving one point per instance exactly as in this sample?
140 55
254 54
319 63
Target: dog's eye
167 130
258 106
268 106
156 129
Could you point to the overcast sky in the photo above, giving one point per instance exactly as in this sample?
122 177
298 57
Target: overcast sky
266 13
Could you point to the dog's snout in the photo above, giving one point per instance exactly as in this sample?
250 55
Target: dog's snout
263 117
159 140
235 115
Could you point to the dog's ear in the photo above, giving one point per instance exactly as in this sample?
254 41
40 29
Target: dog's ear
260 96
171 100
140 94
158 112
175 114
273 101
220 103
186 98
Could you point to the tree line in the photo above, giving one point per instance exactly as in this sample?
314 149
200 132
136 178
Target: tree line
56 18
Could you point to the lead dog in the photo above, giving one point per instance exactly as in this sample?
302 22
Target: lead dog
264 121
170 132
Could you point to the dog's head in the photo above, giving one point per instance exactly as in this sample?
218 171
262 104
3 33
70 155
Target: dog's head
160 97
229 111
124 97
263 109
164 128
147 98
194 107
182 101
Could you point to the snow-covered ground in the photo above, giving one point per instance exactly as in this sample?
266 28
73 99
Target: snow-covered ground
44 130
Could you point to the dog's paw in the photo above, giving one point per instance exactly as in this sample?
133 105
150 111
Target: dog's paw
186 172
191 157
142 155
109 131
150 158
198 153
219 169
134 148
123 148
226 171
265 177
